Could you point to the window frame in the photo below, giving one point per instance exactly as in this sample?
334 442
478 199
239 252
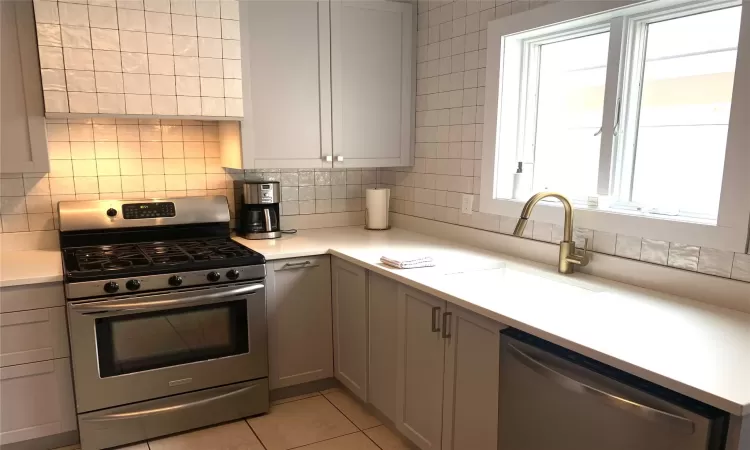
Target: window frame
506 38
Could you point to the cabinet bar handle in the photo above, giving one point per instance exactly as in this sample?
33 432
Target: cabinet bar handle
297 265
447 328
436 319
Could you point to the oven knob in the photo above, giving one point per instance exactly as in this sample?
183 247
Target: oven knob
175 280
133 285
213 276
233 274
111 287
111 212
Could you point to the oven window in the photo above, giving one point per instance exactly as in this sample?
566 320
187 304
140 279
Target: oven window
139 342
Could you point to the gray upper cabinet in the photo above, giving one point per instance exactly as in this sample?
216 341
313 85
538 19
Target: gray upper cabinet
298 298
372 74
325 85
23 136
286 74
349 285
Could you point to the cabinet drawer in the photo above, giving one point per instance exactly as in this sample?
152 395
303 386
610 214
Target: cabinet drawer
37 400
32 296
32 336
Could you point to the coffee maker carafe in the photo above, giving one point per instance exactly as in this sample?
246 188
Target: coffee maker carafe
259 217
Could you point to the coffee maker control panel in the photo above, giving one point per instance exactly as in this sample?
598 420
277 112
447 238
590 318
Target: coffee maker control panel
266 194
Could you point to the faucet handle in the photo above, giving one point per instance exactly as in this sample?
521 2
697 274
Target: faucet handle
580 258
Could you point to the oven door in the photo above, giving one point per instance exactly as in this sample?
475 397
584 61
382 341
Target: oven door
143 347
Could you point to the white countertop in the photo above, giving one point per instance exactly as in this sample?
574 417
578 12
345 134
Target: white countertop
30 267
696 349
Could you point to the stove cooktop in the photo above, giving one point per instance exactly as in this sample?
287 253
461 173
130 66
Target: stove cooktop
147 258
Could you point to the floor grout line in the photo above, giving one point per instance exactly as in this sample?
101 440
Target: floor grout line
342 412
325 440
255 434
371 439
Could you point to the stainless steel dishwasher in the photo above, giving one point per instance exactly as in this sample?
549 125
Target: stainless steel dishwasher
555 399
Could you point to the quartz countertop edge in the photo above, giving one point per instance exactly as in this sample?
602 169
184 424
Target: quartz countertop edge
693 348
23 267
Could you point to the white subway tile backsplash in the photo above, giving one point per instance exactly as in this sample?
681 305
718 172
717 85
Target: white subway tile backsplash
110 82
134 62
230 29
231 49
103 39
133 41
160 64
184 25
157 5
188 106
211 106
234 107
157 22
188 86
715 262
102 17
136 83
111 103
212 87
107 61
683 256
186 66
208 27
138 104
83 102
73 14
78 59
51 58
164 104
186 7
131 19
159 43
75 37
53 80
654 251
208 8
185 45
46 11
210 68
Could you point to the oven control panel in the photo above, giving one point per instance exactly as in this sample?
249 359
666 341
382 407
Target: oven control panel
148 210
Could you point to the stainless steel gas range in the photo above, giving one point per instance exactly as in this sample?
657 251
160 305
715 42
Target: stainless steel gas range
166 316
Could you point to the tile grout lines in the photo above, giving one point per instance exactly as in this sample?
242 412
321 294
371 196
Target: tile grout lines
361 430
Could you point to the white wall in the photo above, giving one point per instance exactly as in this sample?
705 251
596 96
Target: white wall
451 60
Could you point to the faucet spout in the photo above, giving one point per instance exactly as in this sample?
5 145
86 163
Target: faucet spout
531 203
568 254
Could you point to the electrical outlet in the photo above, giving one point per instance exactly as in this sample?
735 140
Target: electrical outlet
466 203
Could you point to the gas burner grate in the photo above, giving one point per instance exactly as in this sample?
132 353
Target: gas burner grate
153 255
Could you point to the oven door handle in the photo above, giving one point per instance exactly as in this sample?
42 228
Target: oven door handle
138 413
141 305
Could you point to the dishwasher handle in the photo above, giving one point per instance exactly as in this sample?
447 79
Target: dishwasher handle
652 414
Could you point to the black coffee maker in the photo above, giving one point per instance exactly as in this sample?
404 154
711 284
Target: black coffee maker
259 214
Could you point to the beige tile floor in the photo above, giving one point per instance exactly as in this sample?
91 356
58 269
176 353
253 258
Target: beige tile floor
328 420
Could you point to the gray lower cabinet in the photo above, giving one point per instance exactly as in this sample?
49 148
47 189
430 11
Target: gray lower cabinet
383 345
349 286
299 320
472 370
36 389
448 372
421 358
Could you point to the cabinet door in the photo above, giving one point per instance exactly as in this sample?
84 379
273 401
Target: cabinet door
37 400
286 73
34 335
299 321
23 136
420 365
383 345
472 353
349 283
372 74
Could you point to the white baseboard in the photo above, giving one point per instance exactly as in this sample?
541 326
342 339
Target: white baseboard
718 291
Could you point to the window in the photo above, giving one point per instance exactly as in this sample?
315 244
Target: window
637 114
